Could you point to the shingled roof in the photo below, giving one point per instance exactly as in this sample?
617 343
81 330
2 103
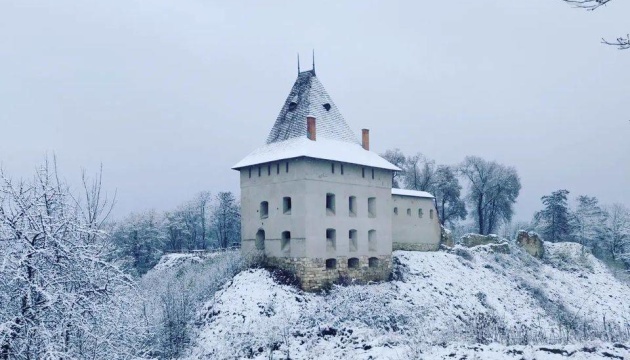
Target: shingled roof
308 97
335 139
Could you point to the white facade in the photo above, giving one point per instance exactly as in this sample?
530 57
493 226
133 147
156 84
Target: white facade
329 214
415 223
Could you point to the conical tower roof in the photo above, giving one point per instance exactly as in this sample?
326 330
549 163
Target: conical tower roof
308 97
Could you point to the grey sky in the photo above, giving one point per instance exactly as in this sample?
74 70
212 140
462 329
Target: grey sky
168 95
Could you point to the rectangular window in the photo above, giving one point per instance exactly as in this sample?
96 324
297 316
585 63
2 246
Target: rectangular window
372 207
352 206
264 210
372 240
250 172
431 214
363 172
420 213
332 167
331 240
341 167
408 212
285 244
330 204
287 167
259 171
278 168
286 205
331 264
353 241
269 170
372 174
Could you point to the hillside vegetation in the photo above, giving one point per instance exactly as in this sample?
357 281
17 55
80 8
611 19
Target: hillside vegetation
465 302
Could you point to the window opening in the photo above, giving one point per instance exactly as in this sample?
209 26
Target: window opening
331 239
264 210
259 171
285 244
287 167
420 213
353 240
331 264
260 240
363 172
341 167
269 170
431 214
332 167
327 106
372 240
250 172
373 262
277 168
408 212
372 174
286 205
372 207
352 206
395 211
353 263
330 204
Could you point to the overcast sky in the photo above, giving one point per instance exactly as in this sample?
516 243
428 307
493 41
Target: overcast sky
168 95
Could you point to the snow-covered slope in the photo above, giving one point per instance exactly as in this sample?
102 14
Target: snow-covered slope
439 305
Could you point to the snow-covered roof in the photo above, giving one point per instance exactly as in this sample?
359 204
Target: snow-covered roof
308 97
322 148
414 193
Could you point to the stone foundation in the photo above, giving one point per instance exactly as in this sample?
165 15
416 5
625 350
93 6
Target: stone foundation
415 246
313 275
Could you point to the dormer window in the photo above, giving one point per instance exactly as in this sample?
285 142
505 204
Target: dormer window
327 106
292 106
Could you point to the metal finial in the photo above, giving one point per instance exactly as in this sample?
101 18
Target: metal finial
313 61
298 63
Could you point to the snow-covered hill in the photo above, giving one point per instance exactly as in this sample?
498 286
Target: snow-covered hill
458 304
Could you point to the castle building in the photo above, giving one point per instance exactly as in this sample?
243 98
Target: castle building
318 203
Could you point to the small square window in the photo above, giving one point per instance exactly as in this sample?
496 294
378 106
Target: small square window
331 264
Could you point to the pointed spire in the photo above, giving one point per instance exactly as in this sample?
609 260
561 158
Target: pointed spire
298 55
313 61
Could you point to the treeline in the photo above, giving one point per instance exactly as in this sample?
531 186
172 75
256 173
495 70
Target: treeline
604 229
205 222
492 188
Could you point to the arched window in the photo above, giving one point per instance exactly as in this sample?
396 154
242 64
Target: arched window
286 205
372 240
331 239
373 262
352 206
264 210
372 207
260 240
331 264
353 241
353 263
285 244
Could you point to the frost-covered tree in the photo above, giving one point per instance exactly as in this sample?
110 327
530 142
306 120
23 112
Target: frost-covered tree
139 241
450 206
553 222
397 158
419 173
187 226
226 220
588 221
59 297
493 189
616 233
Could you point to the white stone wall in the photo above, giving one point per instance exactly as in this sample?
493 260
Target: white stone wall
409 230
307 182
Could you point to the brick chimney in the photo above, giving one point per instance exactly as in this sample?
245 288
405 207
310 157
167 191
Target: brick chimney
365 139
311 130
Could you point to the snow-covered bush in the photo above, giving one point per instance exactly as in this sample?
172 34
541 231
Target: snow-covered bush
174 294
59 297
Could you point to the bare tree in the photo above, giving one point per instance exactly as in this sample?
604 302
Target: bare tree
397 158
419 173
226 220
622 43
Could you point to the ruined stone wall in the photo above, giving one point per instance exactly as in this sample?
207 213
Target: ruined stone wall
415 246
313 275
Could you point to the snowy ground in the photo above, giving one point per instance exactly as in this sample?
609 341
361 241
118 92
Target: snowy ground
440 305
